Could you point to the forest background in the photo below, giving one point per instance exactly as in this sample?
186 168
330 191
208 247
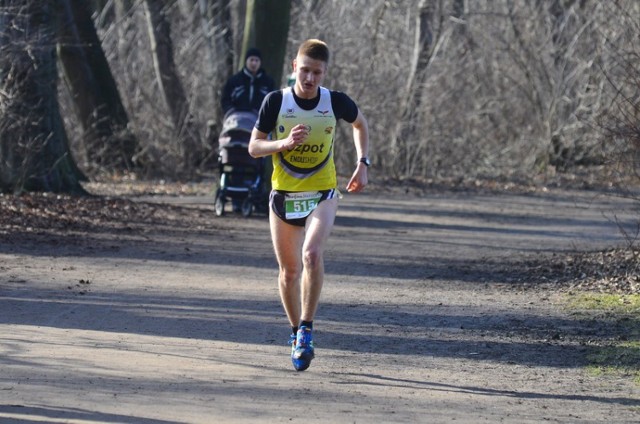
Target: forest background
453 89
456 92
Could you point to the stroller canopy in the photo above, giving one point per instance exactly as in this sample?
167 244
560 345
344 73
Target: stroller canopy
239 121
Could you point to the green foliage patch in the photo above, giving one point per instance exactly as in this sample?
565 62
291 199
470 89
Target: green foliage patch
620 358
608 303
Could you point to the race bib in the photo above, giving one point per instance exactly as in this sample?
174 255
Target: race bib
300 205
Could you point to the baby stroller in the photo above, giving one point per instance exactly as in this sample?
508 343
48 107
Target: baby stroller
241 176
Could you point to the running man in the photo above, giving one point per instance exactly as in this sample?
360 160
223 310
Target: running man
304 198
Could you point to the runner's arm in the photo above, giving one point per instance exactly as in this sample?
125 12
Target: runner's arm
359 179
260 145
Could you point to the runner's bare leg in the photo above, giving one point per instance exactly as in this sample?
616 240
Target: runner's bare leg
299 252
287 244
318 229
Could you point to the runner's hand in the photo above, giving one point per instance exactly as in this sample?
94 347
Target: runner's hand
358 180
297 136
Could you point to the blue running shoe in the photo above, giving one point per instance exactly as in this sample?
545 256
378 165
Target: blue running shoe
292 342
302 349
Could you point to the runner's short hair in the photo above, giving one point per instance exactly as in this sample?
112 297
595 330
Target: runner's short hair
315 49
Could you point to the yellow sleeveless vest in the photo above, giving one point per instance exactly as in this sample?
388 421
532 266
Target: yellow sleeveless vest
309 166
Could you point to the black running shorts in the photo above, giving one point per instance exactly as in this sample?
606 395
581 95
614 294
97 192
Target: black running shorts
295 207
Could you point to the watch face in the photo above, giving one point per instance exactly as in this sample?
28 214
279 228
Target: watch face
366 161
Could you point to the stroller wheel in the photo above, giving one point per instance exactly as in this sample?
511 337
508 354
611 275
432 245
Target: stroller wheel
219 204
247 207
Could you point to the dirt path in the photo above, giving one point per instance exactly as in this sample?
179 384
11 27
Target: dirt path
425 317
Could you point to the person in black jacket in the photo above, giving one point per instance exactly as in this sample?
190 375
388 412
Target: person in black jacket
246 89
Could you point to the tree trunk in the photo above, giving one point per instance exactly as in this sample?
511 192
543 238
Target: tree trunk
34 151
411 100
267 28
107 140
122 11
207 33
169 82
222 19
218 30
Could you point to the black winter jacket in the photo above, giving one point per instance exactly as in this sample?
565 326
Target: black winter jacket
243 91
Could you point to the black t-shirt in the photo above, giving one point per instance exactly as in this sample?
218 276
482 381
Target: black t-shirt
343 108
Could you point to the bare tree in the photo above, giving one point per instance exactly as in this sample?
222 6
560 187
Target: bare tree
427 35
34 153
267 28
169 82
216 24
122 11
620 118
500 87
222 20
107 140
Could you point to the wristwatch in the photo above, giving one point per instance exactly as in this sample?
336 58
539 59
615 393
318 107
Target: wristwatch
366 161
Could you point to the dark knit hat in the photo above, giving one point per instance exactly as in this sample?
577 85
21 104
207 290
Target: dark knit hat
253 52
